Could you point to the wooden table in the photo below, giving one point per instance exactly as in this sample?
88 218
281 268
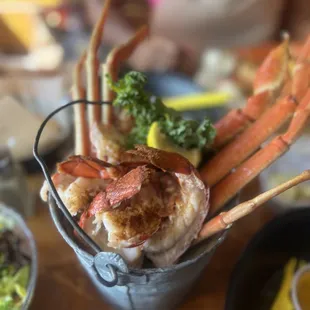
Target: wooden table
63 285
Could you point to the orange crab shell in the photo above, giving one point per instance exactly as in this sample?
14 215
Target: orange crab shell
121 189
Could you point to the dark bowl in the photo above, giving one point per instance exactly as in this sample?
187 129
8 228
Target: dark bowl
257 276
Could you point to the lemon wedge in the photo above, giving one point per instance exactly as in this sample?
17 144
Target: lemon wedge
157 139
283 298
197 101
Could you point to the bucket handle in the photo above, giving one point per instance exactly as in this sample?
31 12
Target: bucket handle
113 273
53 194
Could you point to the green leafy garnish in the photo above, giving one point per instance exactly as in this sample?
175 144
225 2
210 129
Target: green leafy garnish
146 109
13 287
6 222
188 133
7 303
22 275
14 270
131 96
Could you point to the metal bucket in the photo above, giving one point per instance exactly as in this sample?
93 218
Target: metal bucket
134 289
124 287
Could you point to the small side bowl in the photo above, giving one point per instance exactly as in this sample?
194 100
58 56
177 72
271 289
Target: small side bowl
19 227
257 276
295 282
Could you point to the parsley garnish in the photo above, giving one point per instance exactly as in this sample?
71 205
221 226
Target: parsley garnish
146 109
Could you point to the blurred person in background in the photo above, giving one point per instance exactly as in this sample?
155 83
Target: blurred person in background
182 29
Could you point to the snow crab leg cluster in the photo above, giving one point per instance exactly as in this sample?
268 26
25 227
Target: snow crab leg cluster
149 201
291 103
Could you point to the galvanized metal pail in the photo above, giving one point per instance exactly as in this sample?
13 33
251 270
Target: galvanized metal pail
124 287
133 289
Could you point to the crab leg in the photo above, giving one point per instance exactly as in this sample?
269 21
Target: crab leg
301 72
111 67
225 219
88 167
92 65
107 118
229 186
269 78
248 142
80 125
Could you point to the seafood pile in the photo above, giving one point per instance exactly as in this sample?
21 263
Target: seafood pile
138 200
152 202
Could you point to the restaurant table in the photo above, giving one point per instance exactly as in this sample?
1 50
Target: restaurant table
63 285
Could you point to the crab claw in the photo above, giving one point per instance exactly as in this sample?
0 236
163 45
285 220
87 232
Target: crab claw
166 161
88 167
